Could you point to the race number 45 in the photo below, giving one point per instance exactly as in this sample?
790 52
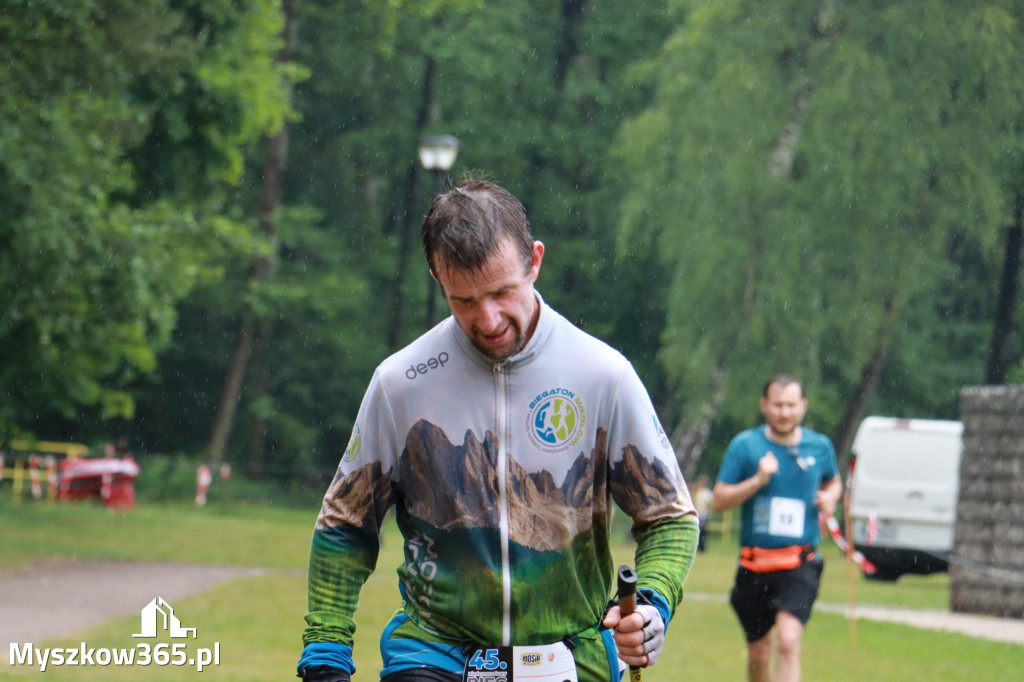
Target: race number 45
487 659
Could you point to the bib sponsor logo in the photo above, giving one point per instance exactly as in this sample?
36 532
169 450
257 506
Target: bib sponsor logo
556 419
423 367
532 659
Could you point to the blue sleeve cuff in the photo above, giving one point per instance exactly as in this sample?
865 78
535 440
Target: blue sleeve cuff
649 596
326 653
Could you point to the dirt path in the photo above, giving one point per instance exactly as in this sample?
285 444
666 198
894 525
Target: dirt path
56 599
986 627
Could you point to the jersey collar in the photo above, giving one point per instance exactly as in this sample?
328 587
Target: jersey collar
541 334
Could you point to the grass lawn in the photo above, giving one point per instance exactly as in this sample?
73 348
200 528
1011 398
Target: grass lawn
239 535
257 622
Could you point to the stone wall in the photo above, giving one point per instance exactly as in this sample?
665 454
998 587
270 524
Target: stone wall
987 566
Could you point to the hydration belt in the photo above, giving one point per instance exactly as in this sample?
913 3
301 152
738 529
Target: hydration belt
761 560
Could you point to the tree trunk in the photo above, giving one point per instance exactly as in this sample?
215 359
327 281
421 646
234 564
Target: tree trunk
261 270
424 115
567 46
998 358
227 403
690 436
261 375
780 165
857 406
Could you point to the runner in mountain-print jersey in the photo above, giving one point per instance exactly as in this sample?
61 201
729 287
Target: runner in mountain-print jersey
502 438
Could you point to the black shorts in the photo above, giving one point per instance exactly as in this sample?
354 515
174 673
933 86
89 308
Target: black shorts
756 597
422 675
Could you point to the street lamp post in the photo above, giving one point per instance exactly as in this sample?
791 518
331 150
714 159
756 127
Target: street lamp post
437 154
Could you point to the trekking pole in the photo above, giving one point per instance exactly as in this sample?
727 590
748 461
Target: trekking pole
627 604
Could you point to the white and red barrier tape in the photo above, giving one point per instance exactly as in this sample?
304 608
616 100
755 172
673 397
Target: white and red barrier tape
837 536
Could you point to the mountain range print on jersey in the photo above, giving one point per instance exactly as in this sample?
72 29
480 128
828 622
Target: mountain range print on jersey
455 487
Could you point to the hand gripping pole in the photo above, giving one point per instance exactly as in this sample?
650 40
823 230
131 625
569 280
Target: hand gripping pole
627 604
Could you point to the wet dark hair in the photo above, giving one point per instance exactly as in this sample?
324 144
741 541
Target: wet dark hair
783 380
467 224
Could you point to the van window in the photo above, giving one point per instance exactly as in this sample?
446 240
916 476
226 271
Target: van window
910 455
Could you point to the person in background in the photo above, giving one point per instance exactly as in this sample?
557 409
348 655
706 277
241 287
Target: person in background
502 437
782 475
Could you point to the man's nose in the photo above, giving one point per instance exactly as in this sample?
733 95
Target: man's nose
488 316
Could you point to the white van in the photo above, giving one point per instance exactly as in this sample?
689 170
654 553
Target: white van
904 481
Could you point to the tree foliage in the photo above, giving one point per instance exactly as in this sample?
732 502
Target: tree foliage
534 96
725 189
820 177
121 121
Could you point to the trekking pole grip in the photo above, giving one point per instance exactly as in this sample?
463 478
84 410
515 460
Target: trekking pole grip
627 590
627 605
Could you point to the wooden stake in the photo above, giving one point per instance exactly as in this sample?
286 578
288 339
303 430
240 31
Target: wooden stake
851 572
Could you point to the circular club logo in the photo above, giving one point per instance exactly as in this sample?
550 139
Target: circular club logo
355 444
556 419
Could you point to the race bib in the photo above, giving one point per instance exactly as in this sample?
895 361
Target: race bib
545 663
786 517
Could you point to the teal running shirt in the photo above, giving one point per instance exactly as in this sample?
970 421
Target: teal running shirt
782 513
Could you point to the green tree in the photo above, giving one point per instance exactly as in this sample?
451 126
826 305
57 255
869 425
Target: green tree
327 299
811 172
121 124
377 81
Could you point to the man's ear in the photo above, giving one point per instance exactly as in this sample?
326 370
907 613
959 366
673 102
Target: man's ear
535 259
